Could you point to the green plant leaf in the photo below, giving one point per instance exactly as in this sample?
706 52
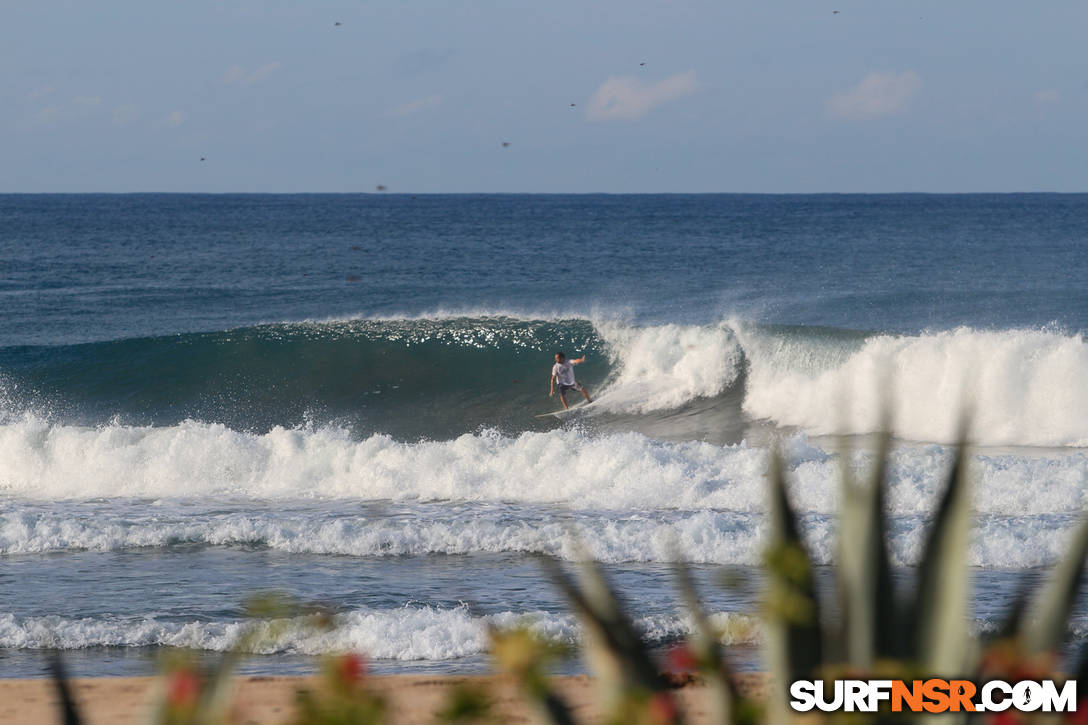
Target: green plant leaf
68 708
795 640
1046 628
721 685
938 636
870 624
614 647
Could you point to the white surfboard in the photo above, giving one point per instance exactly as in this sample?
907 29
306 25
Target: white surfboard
560 413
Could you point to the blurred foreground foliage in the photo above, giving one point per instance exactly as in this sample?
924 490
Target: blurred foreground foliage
862 630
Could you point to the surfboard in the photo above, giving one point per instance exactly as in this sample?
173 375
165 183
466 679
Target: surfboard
560 413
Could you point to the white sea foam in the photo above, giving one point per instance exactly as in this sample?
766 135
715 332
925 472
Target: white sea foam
663 367
47 461
42 460
405 633
1025 386
633 495
702 538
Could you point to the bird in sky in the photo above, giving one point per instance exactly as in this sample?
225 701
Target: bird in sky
505 144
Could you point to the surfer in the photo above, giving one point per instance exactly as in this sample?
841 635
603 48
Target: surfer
563 375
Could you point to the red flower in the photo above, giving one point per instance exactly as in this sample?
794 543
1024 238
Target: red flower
662 709
351 668
183 688
682 658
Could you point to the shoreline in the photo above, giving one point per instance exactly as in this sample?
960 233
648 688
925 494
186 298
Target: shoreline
269 699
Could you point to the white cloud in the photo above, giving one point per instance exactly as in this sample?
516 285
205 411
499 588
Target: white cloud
238 74
174 119
628 98
420 104
126 114
40 93
48 116
79 108
877 95
87 102
1048 96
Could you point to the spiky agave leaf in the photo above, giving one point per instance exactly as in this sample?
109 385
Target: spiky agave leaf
938 634
621 661
68 708
519 653
709 655
1044 631
869 620
794 637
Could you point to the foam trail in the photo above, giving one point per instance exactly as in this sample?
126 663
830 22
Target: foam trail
1026 386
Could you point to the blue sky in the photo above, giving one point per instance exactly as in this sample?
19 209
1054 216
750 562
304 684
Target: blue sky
120 95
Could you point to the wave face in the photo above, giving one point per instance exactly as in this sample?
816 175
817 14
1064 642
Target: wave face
440 378
410 378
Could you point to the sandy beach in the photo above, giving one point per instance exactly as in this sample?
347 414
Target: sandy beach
412 699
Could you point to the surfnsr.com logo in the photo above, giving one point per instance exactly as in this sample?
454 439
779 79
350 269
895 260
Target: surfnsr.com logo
933 696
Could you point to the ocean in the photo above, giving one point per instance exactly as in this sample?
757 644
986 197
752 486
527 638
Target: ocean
336 397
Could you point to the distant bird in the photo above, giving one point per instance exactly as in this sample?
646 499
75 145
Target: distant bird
834 12
505 144
337 23
642 63
380 187
572 105
203 159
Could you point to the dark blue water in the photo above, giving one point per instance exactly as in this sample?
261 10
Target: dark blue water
338 396
90 267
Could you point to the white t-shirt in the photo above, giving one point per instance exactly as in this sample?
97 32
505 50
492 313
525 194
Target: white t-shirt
564 372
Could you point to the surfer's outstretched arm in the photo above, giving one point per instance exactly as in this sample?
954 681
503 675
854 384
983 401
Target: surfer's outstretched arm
578 361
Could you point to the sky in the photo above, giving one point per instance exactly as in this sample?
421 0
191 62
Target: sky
561 97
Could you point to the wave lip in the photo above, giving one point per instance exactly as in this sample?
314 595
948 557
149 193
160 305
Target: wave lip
665 367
